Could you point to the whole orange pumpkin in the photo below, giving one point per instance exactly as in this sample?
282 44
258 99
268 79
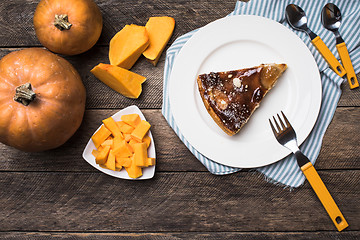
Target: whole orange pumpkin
42 100
68 26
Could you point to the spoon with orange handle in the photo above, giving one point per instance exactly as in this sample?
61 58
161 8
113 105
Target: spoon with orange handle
297 19
331 20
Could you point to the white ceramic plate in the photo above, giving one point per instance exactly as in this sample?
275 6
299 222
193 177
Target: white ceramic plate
238 42
148 172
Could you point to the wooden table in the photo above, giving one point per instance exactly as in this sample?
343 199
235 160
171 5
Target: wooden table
56 194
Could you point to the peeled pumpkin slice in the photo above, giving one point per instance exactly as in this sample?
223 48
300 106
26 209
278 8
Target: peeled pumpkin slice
121 80
131 119
127 45
112 126
110 163
140 131
134 171
103 155
160 30
140 154
100 136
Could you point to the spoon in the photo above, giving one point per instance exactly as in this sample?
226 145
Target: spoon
331 20
297 19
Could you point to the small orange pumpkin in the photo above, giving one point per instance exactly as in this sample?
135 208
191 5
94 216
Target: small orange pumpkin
68 26
42 100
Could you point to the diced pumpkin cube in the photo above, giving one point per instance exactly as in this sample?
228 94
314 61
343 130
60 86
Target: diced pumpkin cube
107 143
150 162
100 136
122 161
140 131
131 119
112 126
122 149
160 30
127 45
147 140
140 154
131 143
118 166
94 152
110 163
121 80
127 137
116 142
125 128
101 158
134 171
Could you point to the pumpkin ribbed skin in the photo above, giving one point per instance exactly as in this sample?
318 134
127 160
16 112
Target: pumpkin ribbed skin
86 25
57 110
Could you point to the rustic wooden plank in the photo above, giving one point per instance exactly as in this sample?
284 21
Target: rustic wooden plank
16 21
170 202
339 151
183 235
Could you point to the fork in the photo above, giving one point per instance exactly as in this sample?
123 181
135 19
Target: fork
286 136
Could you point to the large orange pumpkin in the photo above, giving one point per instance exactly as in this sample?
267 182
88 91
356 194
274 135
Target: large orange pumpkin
42 100
68 26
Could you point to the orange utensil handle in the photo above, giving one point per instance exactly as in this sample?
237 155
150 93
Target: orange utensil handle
328 56
324 196
346 61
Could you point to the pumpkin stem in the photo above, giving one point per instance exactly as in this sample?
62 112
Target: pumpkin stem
24 94
62 22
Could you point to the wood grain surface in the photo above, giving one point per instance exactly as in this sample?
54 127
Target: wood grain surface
186 201
57 195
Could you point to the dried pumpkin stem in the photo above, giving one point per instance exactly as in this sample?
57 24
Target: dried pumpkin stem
24 94
62 22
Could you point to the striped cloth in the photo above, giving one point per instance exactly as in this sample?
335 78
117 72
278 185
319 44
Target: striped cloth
286 171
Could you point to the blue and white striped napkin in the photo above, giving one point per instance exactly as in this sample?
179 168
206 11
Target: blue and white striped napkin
286 171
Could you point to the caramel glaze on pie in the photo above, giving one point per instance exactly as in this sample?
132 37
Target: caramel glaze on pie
232 96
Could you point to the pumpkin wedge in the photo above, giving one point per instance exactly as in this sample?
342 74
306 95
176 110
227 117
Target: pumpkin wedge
121 80
127 45
160 30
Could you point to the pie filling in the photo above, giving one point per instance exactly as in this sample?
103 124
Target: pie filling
234 95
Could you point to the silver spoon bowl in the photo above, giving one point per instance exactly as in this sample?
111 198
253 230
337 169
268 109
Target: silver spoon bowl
331 20
297 19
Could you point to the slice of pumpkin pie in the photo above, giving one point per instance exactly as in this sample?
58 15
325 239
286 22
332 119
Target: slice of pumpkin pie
231 97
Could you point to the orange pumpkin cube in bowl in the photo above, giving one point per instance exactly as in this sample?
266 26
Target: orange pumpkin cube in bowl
116 153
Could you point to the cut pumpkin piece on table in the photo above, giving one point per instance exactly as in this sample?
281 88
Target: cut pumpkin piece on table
121 80
127 45
160 30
